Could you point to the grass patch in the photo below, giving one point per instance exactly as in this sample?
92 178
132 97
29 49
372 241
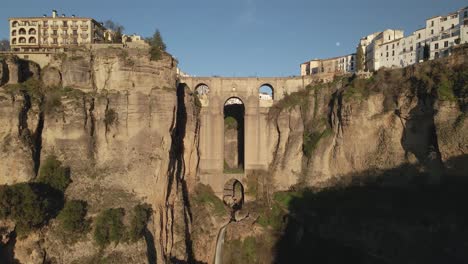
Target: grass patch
311 140
230 123
204 195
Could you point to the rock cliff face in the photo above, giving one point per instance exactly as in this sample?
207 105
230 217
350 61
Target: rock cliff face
399 123
119 121
129 134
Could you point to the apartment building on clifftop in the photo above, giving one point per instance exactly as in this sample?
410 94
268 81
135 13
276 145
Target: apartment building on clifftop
42 34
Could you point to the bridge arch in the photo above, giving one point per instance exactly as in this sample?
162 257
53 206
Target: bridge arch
233 193
202 89
234 135
266 92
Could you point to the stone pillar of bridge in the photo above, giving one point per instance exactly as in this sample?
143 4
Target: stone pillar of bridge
255 136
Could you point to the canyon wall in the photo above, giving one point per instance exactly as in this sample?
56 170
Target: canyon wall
117 120
398 124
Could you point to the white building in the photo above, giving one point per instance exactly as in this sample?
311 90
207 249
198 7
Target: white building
376 51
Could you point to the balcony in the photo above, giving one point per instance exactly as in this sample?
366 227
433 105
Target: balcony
84 27
54 27
74 27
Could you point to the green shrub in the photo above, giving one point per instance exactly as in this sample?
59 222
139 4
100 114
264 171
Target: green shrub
140 218
230 123
23 204
72 216
311 140
54 174
155 54
111 117
109 227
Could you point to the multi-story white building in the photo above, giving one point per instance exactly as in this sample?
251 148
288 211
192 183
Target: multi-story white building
391 49
30 34
375 48
407 51
338 65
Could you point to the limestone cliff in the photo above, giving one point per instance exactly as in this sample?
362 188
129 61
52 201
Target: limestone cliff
119 121
400 123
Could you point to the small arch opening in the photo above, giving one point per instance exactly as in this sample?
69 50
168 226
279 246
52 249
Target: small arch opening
266 93
13 33
32 40
22 40
202 89
14 24
233 194
32 31
22 31
13 41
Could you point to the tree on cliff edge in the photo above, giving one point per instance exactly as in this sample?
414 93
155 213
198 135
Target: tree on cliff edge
157 45
4 45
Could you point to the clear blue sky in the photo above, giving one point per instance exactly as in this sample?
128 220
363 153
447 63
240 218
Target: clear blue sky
246 37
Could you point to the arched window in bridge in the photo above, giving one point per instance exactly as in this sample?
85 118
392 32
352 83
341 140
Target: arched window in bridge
202 89
265 93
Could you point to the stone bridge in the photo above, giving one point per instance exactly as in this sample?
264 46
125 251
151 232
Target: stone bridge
216 96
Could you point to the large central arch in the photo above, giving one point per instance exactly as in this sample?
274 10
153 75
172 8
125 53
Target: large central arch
234 137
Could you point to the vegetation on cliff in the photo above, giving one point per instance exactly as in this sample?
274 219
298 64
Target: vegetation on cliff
32 205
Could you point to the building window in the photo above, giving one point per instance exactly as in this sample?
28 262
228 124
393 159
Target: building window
432 31
22 31
65 23
75 32
14 24
387 54
442 29
393 53
404 49
32 40
32 31
432 23
446 44
389 37
54 32
393 45
386 47
54 41
419 35
436 46
411 48
13 41
22 40
453 26
13 33
436 55
55 23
